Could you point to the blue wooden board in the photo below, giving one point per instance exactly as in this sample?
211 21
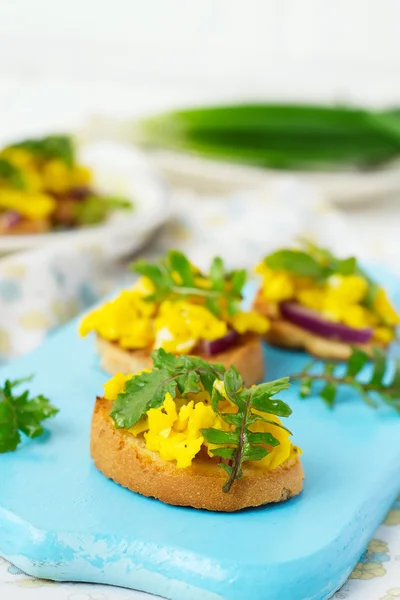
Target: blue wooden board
62 519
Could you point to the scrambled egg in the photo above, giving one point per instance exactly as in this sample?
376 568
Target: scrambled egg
340 299
41 179
33 205
174 429
175 325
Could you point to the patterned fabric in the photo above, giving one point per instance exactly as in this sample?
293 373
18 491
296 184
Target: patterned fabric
41 290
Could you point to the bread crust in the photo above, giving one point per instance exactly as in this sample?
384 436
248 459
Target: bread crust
125 459
26 226
285 334
247 357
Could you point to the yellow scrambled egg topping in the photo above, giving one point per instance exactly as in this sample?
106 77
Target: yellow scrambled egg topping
339 299
42 179
177 326
174 429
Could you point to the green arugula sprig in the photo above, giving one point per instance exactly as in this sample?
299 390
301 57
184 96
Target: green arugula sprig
20 413
175 277
95 209
191 374
328 382
241 444
320 264
170 374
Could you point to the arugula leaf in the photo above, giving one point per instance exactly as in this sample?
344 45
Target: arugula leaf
297 262
11 174
95 209
371 390
217 273
20 413
356 362
141 393
171 373
175 277
179 264
238 279
241 444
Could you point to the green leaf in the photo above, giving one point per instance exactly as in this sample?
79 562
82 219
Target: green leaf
162 359
212 304
216 436
396 377
329 368
20 413
272 406
328 393
153 272
238 279
222 452
233 384
372 291
217 273
305 387
262 438
358 359
141 393
9 434
216 398
379 361
257 417
233 305
232 419
117 202
11 174
346 266
180 264
254 452
271 387
189 382
228 469
90 211
296 262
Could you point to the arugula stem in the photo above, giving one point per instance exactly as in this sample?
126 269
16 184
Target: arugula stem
239 450
194 291
368 387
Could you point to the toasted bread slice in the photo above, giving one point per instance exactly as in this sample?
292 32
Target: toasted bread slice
285 334
125 459
246 356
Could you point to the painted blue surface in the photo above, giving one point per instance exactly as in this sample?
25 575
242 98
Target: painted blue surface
61 519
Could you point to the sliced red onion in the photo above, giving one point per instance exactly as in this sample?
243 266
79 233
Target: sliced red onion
10 218
212 347
313 321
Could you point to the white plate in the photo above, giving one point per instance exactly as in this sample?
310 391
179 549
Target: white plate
119 170
341 188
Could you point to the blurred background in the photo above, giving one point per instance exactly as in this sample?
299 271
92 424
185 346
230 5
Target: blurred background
125 55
